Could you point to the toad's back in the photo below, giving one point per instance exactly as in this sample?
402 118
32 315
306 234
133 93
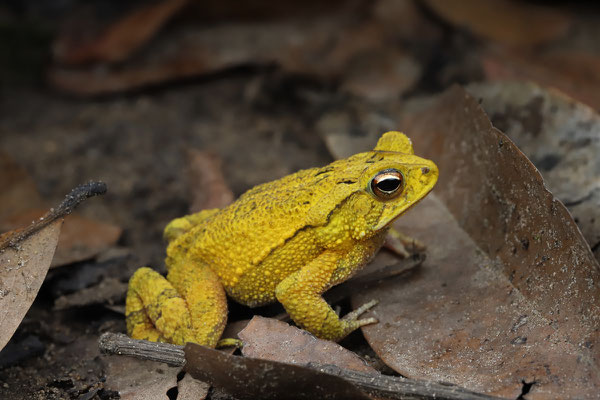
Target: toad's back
246 238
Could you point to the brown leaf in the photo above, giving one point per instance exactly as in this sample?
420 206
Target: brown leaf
21 205
25 257
18 189
98 32
136 379
193 51
406 21
250 378
386 265
510 22
108 291
509 290
560 136
233 329
191 389
80 238
317 46
116 40
380 74
206 181
270 339
575 73
22 270
339 143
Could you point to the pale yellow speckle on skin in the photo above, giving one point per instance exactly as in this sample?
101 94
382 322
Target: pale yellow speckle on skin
288 240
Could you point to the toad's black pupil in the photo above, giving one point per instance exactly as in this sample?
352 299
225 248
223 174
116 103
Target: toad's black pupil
388 184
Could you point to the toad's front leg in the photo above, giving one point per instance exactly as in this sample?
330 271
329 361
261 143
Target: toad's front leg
300 294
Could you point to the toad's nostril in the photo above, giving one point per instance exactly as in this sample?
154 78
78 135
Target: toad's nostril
425 170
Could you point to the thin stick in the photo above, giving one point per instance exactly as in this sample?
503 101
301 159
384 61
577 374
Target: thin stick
66 207
397 388
117 343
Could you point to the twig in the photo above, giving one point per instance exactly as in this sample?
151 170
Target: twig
117 343
380 386
392 387
66 207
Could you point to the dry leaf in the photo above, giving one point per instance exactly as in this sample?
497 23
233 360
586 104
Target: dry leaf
18 192
380 74
206 181
97 33
115 41
109 291
406 21
25 257
509 292
193 51
23 268
321 46
510 22
80 238
386 265
21 205
270 339
560 136
136 379
232 330
191 389
575 73
249 378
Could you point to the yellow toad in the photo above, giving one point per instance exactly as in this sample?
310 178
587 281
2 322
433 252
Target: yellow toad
288 240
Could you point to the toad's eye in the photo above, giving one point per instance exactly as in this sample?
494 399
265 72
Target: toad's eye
387 184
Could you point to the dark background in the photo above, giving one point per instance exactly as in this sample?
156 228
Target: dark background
121 92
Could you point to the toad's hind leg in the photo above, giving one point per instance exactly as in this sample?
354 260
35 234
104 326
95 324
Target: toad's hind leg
189 306
154 309
206 299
